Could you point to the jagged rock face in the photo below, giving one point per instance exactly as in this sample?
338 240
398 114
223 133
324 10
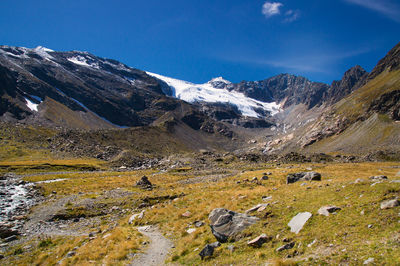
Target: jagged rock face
390 62
388 103
286 88
352 80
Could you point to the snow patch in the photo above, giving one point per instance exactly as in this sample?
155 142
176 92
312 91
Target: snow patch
206 92
31 105
82 61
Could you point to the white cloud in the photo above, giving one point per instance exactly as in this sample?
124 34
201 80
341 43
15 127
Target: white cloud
385 7
271 9
291 15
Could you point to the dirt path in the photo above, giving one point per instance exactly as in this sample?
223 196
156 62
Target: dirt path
157 250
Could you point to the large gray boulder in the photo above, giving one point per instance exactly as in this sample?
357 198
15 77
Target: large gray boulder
303 176
390 204
297 222
226 224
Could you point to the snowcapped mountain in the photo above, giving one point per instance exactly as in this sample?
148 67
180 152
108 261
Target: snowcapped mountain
215 91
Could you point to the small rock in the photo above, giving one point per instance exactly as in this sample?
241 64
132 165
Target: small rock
215 244
298 221
136 216
359 180
264 177
362 212
369 261
257 207
198 223
266 198
370 226
92 234
378 177
186 214
10 238
207 251
231 248
326 210
191 230
390 204
286 246
71 254
144 183
258 241
312 243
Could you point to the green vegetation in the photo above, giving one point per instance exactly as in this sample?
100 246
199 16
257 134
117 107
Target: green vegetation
345 237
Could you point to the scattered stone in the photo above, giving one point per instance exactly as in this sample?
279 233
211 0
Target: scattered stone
231 248
369 261
198 223
359 180
326 210
312 243
378 177
257 207
303 176
297 222
207 251
6 230
390 204
215 244
186 214
264 177
227 224
286 246
258 241
71 254
144 183
266 198
92 234
191 230
370 226
362 212
136 216
10 238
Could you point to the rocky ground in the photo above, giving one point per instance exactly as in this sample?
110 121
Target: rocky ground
240 212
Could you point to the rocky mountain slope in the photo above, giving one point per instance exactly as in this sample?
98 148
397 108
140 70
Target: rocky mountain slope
365 121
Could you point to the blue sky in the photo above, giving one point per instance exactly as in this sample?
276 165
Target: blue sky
197 40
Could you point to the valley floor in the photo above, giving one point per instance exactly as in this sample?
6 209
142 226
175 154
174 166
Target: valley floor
85 217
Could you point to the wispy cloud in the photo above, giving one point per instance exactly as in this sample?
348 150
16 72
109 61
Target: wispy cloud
386 7
311 62
291 15
270 9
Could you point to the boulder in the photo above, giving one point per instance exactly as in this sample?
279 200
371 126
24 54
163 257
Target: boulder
286 246
378 177
227 224
144 183
303 176
297 222
258 241
135 217
390 204
6 230
264 177
207 251
257 207
326 210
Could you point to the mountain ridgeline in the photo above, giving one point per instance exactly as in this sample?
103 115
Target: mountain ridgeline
78 90
104 93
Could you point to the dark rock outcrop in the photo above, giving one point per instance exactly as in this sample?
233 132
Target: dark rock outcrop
303 176
226 224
